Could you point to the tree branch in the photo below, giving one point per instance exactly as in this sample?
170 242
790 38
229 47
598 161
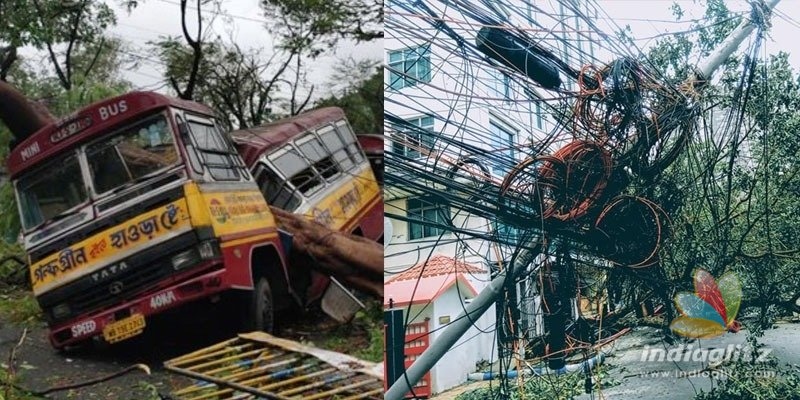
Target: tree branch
61 77
95 58
197 49
8 59
305 102
73 39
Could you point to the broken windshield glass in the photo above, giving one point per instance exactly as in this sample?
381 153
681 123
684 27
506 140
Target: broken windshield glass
51 190
131 154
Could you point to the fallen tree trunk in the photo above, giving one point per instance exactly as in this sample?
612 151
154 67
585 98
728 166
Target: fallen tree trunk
354 260
22 117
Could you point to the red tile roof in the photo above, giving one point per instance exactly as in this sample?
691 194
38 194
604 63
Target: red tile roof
426 281
436 265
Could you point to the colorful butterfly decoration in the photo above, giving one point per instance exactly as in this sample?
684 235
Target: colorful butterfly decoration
712 309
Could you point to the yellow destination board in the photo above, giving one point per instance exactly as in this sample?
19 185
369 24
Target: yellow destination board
228 212
110 245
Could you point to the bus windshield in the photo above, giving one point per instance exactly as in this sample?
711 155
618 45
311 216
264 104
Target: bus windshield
117 160
131 154
51 190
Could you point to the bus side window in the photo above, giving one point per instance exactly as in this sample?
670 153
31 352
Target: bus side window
353 149
215 152
191 151
321 160
275 190
355 153
300 174
336 147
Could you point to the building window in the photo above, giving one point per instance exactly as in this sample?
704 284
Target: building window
539 118
507 234
579 41
427 218
414 138
501 85
503 143
565 27
409 66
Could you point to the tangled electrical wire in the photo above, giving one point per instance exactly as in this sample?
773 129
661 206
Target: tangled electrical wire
576 190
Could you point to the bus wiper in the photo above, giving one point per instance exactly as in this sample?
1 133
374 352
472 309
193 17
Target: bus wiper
59 217
136 181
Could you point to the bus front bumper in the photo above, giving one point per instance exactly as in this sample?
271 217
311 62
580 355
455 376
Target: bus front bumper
145 305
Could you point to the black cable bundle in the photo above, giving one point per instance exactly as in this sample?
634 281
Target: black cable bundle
524 56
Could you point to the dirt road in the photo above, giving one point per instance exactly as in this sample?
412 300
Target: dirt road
39 366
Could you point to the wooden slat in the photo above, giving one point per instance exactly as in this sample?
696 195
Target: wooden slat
254 367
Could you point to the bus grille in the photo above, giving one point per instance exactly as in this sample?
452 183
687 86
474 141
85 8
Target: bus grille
133 282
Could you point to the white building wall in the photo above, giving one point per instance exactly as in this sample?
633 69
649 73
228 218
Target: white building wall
417 312
403 253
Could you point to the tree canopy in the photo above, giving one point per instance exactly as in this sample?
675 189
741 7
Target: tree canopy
317 25
361 98
82 65
81 62
732 194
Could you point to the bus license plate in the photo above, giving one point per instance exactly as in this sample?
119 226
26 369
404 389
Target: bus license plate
124 329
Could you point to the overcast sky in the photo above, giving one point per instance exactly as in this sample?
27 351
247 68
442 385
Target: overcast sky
784 34
245 23
154 18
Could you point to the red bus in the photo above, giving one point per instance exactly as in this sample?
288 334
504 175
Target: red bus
313 165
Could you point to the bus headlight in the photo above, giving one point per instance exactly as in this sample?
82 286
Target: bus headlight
185 259
207 250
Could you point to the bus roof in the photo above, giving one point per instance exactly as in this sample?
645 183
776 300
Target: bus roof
87 123
252 143
371 143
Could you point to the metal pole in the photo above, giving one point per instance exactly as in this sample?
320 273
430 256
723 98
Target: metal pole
706 68
457 328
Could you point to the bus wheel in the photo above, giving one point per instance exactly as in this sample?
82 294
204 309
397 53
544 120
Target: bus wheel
262 310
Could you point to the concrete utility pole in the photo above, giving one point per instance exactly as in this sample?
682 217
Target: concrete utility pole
460 325
706 68
489 295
